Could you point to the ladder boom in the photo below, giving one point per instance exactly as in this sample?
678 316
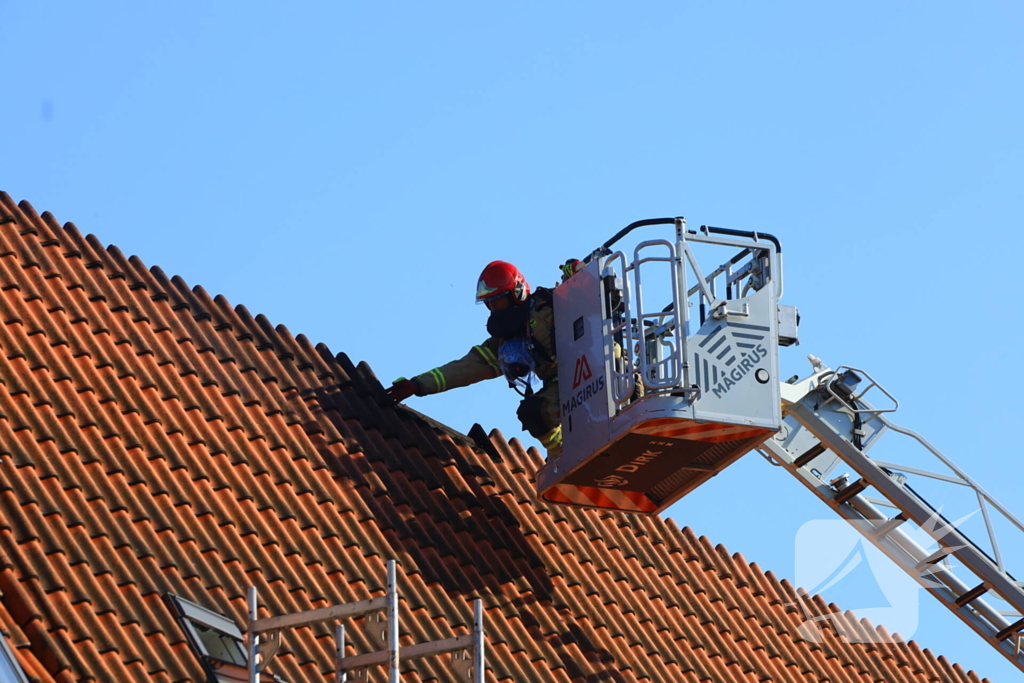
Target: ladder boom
828 423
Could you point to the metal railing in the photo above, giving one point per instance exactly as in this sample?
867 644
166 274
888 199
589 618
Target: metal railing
650 342
835 421
467 663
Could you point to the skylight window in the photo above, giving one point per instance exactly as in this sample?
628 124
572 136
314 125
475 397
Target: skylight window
217 641
10 670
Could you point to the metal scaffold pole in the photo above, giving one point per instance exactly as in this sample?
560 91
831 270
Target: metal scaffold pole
467 650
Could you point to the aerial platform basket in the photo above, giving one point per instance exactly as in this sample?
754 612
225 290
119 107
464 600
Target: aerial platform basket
649 410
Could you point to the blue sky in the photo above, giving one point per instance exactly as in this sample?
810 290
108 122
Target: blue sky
348 168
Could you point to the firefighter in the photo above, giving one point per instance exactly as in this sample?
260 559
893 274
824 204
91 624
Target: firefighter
521 345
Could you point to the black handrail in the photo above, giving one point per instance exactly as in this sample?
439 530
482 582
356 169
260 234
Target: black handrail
750 234
745 233
633 226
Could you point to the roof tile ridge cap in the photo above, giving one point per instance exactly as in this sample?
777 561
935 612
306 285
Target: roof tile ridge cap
10 207
749 583
969 675
509 467
99 249
687 540
139 268
293 355
161 280
89 247
327 356
896 653
933 663
277 336
92 251
766 583
71 232
206 334
520 483
674 541
311 354
366 373
256 336
117 259
641 539
243 325
531 456
876 636
200 309
891 646
956 667
244 335
217 310
49 228
661 532
712 557
795 600
183 291
28 211
528 458
867 657
20 219
344 362
136 272
917 653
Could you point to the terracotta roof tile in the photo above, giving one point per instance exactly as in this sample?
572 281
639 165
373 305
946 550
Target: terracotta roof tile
156 440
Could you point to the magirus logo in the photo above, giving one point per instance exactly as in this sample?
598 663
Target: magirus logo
590 386
745 365
582 372
738 350
611 480
721 380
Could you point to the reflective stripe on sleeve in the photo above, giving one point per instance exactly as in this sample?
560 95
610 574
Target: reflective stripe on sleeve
488 356
438 376
552 438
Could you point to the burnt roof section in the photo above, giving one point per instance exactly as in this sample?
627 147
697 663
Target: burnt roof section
156 440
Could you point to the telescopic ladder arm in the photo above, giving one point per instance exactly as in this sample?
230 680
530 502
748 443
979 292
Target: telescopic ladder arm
829 422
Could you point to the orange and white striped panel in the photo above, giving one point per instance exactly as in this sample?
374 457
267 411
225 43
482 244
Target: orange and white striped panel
592 496
709 432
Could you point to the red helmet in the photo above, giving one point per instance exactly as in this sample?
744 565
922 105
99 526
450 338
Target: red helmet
500 278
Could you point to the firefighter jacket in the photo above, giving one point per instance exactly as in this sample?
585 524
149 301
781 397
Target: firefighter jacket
482 361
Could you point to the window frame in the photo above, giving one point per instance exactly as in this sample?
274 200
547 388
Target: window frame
190 614
10 662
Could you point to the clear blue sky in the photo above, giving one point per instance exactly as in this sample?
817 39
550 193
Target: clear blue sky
348 168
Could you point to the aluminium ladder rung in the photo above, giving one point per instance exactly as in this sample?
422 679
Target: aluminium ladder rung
966 603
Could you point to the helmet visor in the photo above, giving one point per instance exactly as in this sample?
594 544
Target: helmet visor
498 301
483 292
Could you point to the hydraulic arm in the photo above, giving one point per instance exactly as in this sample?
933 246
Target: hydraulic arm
830 427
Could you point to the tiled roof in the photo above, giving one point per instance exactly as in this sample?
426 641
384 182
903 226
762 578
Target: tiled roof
155 440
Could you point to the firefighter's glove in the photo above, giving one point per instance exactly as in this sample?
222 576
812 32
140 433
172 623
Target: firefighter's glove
402 389
571 267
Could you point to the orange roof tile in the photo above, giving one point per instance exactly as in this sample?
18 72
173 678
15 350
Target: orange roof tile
155 440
